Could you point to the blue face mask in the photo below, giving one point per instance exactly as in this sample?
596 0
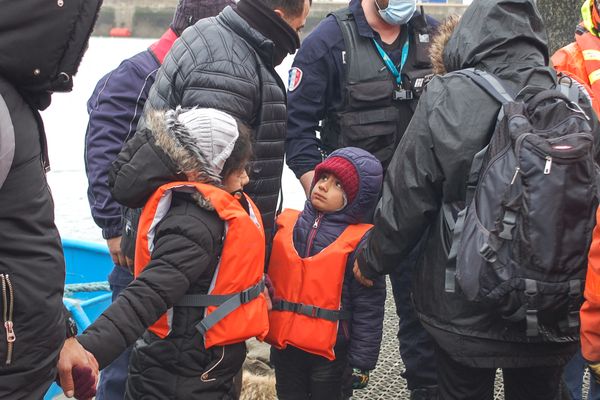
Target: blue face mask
398 12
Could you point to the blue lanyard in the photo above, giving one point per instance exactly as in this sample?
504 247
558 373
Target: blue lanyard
388 61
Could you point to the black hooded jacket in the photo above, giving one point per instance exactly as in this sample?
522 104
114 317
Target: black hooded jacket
187 245
32 265
453 121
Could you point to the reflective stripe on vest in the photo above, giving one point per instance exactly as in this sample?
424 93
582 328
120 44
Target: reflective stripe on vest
590 48
308 291
238 275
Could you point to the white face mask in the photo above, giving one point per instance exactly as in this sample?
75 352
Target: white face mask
398 12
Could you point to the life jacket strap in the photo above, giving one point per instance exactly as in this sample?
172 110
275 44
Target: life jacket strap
311 311
226 303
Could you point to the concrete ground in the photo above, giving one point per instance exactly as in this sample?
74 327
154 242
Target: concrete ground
385 381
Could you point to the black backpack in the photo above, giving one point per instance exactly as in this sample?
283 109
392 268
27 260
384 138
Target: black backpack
520 245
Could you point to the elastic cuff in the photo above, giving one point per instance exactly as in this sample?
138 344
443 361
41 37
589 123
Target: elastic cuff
112 231
365 268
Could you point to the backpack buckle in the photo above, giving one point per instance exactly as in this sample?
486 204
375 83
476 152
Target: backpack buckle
488 253
509 221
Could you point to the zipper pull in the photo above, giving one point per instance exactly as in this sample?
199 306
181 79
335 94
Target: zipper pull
548 165
514 178
10 333
317 221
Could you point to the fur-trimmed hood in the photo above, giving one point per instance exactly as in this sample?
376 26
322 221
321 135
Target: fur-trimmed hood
482 37
497 36
438 44
178 143
154 157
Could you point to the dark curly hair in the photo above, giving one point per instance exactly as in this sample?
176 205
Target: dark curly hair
242 152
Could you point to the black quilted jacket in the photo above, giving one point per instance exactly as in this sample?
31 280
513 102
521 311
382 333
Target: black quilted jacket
223 63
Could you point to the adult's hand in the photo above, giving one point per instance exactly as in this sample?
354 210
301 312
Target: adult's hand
114 247
306 181
77 370
360 277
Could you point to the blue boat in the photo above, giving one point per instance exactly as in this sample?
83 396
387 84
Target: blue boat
86 290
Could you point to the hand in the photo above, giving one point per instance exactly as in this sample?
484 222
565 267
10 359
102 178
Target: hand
114 247
306 181
595 371
360 277
77 370
85 383
268 299
360 378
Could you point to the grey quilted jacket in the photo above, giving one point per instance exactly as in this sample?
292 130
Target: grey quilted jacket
223 63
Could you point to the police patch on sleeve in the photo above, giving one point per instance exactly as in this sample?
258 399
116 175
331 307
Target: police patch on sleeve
294 79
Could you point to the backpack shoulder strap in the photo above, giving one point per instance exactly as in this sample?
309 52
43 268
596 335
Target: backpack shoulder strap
7 141
489 83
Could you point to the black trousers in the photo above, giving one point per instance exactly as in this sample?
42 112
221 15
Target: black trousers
304 376
460 382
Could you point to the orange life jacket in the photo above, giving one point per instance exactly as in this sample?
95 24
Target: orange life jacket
590 50
235 308
581 61
308 291
590 310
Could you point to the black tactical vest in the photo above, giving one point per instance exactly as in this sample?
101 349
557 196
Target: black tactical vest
374 111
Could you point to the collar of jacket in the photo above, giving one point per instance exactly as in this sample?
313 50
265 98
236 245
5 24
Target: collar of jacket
161 47
263 46
272 26
588 19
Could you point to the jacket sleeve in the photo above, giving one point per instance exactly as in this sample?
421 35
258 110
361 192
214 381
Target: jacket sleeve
366 330
590 311
114 109
183 251
412 191
308 102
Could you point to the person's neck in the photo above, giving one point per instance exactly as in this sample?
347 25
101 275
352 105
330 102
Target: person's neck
388 33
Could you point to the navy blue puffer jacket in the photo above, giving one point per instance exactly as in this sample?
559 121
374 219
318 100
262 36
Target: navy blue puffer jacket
363 331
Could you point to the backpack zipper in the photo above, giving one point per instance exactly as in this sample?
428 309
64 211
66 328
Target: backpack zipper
548 165
549 159
8 303
312 234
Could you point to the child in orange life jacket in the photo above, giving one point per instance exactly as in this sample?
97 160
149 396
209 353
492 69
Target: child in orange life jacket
324 325
195 237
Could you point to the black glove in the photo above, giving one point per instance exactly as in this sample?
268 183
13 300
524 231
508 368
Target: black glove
360 378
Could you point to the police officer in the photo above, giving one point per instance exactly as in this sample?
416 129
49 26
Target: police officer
356 79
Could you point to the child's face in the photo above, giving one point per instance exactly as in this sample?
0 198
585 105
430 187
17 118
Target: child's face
327 194
236 180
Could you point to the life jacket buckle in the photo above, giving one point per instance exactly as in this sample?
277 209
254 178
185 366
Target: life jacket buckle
252 293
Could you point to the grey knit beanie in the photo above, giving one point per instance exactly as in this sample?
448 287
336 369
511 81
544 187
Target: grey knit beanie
209 135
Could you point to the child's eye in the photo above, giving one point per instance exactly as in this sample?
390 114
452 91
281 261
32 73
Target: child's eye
338 184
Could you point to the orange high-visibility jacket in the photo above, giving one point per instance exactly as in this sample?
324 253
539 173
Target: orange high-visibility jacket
308 291
590 310
581 61
235 308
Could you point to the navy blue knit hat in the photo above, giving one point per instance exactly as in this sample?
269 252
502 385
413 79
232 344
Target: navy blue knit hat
188 12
